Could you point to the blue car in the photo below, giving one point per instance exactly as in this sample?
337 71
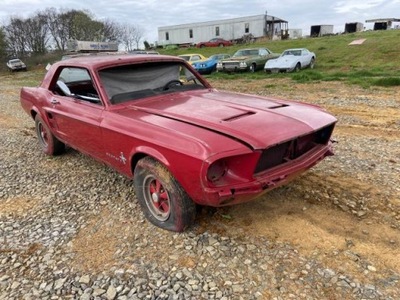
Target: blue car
210 65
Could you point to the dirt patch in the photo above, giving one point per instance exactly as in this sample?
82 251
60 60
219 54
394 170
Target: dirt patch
339 240
17 206
8 121
96 244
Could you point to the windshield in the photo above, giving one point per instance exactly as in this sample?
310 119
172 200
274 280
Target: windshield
130 82
292 52
15 61
246 52
185 57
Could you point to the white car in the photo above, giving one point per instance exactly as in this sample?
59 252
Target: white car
291 60
16 65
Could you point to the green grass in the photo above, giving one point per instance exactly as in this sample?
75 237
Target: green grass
375 62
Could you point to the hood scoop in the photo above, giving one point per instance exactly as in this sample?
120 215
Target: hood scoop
278 106
239 116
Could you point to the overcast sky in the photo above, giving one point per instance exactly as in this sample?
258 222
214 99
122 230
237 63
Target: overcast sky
151 14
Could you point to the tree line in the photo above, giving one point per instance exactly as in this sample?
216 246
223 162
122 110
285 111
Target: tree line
51 29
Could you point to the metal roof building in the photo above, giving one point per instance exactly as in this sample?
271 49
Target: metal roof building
383 23
228 29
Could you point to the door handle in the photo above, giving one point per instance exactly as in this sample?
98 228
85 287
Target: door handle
54 101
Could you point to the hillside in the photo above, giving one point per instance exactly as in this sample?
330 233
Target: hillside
378 57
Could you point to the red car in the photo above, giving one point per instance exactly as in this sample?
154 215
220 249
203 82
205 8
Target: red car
156 120
217 42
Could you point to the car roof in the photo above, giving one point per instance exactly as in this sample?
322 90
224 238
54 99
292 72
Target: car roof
98 62
291 49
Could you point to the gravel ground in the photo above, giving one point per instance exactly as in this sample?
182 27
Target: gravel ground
71 228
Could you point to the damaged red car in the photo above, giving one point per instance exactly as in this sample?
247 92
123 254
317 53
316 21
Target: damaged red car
184 143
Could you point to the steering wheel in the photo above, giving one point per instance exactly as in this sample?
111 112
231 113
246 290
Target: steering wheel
171 83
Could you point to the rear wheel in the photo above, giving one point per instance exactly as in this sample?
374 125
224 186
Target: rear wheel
163 201
221 45
49 143
297 67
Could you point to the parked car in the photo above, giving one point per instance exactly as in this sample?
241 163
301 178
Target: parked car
291 60
16 65
210 65
246 60
193 57
156 120
216 42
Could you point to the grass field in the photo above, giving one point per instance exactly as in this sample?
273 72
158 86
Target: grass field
375 62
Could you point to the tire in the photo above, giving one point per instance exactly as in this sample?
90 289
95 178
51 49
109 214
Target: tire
49 143
312 63
252 68
202 46
163 201
221 45
297 67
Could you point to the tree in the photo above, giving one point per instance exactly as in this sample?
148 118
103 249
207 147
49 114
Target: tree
3 43
16 32
37 36
131 35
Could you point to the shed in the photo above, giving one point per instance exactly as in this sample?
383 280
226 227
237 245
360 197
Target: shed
257 26
383 24
321 30
353 27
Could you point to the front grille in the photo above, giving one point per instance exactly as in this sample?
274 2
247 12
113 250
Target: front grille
230 64
287 151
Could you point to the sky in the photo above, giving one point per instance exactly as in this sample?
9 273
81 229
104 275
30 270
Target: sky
151 14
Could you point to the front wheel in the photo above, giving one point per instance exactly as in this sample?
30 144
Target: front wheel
49 143
163 201
252 68
297 67
312 63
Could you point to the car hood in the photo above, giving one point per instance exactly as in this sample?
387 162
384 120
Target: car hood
286 60
238 58
256 122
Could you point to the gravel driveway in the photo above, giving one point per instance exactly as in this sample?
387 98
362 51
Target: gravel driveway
71 228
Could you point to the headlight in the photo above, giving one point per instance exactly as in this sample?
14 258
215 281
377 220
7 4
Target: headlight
216 171
243 65
219 64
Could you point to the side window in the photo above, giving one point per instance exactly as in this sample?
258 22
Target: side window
246 27
69 75
167 36
190 33
76 83
217 31
263 52
195 57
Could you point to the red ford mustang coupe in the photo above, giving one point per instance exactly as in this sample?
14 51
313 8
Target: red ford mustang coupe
156 120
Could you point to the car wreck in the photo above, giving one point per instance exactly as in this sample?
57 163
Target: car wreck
154 119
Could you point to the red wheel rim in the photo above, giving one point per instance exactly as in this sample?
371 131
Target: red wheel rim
157 198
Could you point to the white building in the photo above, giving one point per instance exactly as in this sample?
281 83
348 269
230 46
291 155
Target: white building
229 29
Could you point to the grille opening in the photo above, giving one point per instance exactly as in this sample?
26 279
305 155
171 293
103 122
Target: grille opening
287 151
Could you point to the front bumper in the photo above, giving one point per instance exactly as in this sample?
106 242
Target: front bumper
265 181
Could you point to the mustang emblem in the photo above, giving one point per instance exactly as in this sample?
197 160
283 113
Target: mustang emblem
121 158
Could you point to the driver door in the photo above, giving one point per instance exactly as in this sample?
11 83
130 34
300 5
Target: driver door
75 117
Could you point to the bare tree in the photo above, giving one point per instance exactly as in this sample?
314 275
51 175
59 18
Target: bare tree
3 43
58 27
131 35
111 31
139 32
15 33
36 33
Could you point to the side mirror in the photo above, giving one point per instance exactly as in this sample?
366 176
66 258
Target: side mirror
64 88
